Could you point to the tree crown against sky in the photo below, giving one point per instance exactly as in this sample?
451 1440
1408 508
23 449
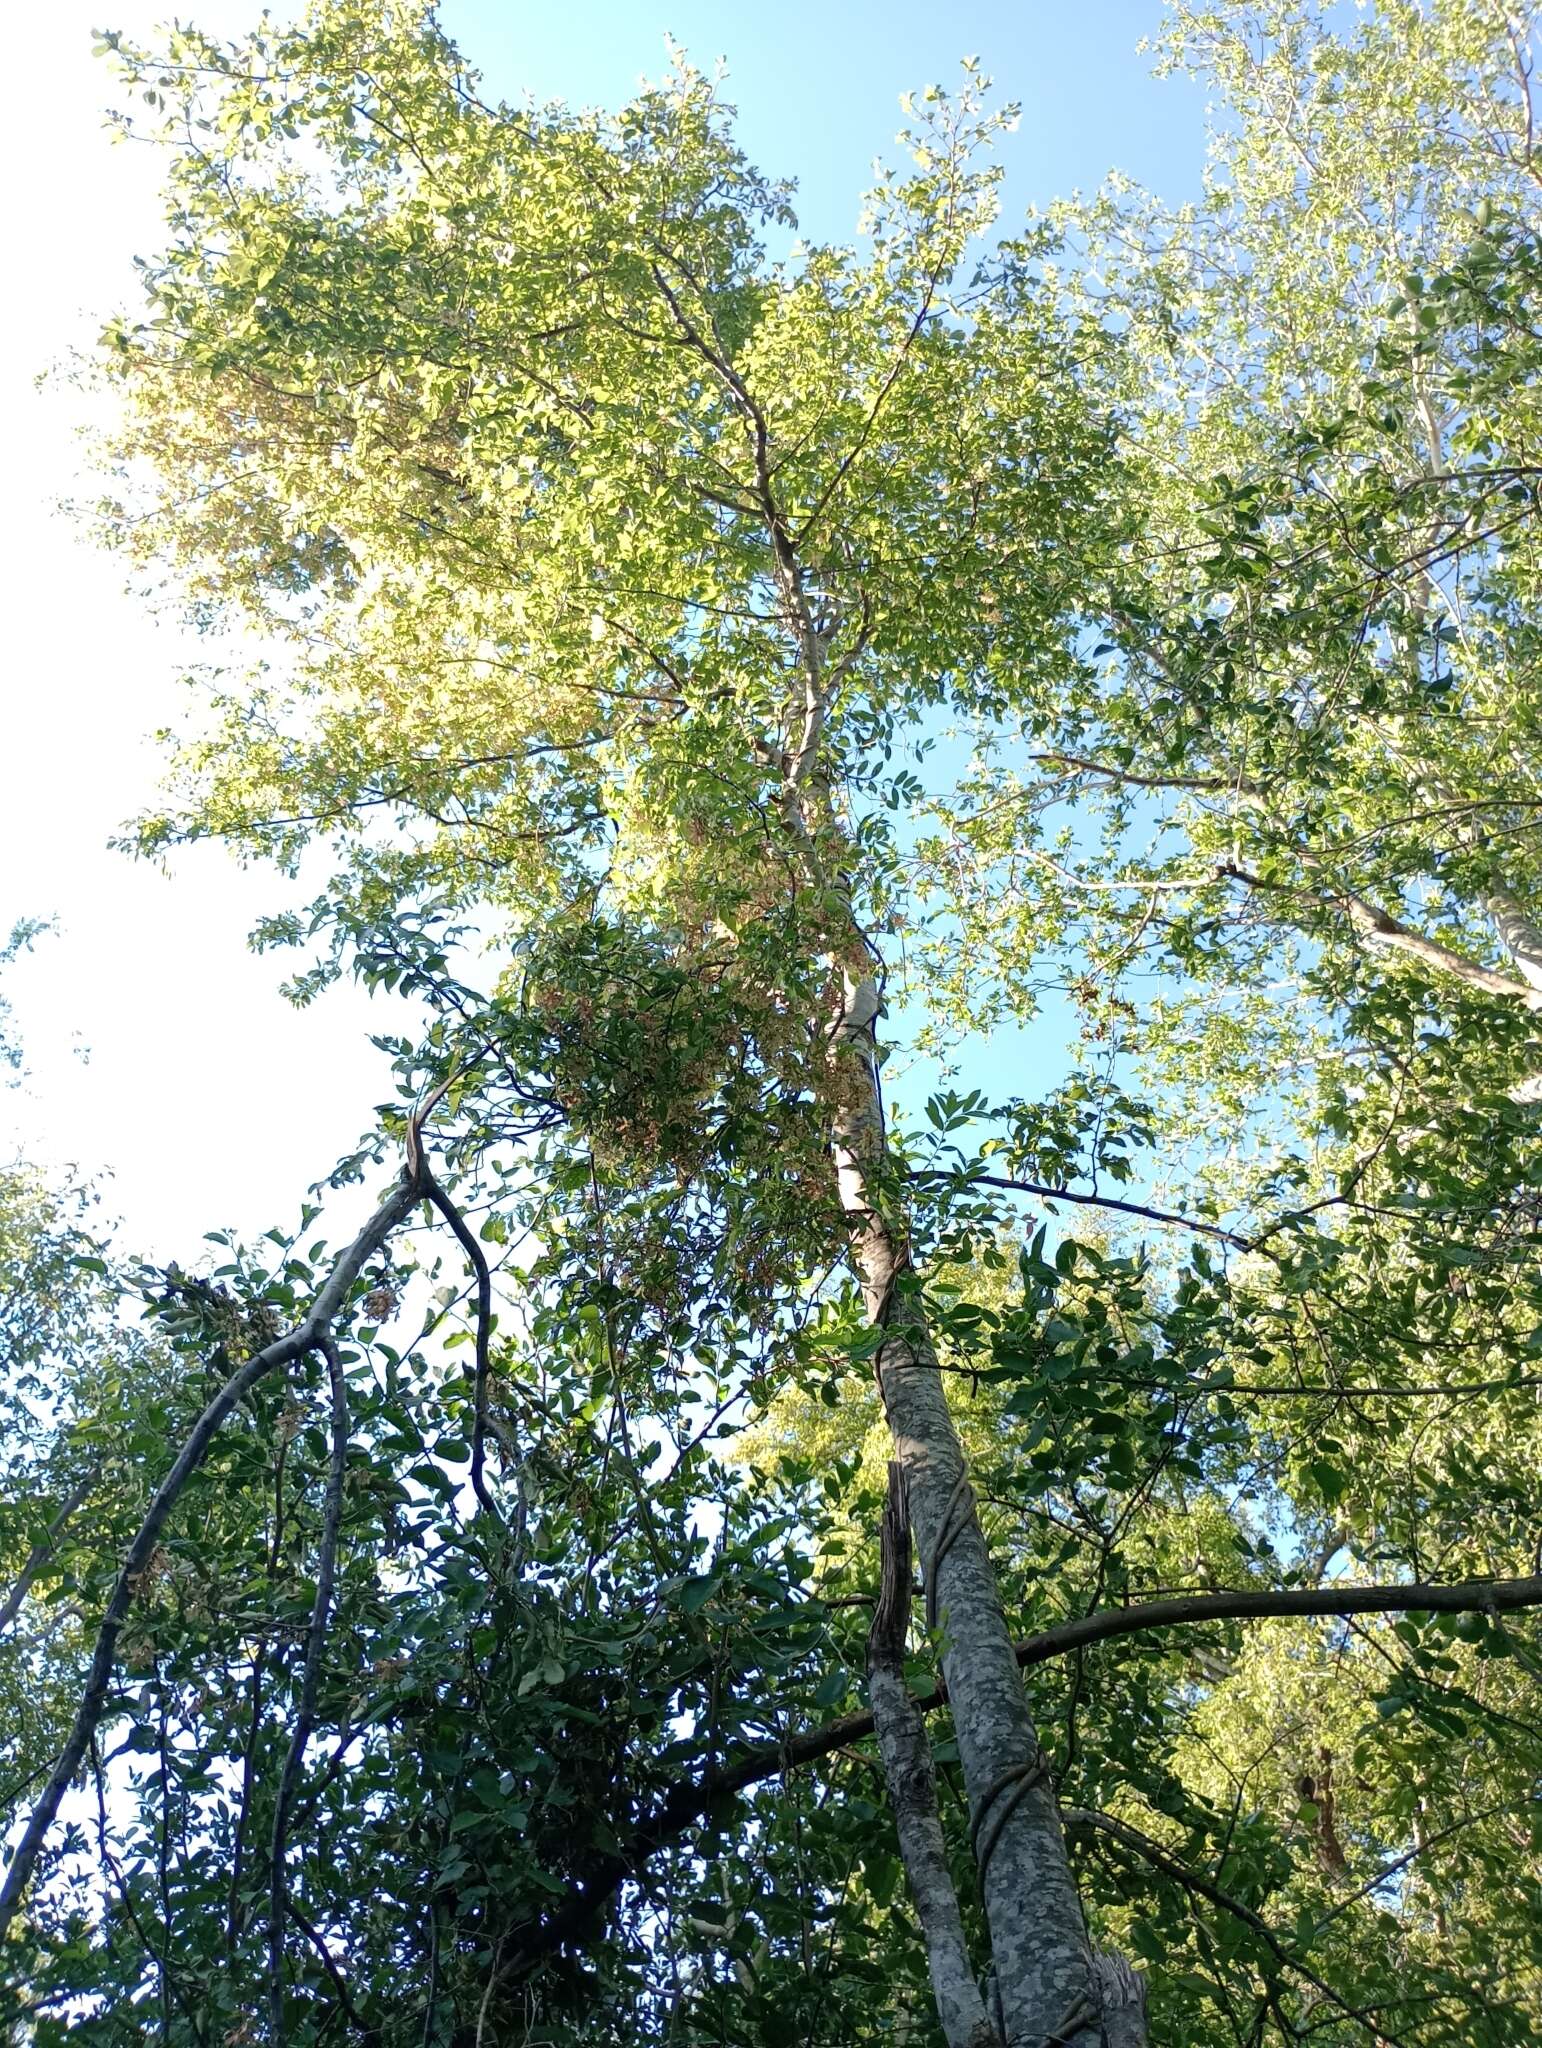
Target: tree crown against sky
683 652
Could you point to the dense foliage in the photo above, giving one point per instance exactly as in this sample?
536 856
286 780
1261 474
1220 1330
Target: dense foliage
699 662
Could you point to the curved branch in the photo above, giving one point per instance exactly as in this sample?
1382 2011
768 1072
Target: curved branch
303 1338
1184 1610
689 1801
1462 1596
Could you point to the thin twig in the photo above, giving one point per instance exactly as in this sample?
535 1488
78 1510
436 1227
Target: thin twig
44 1548
339 1983
967 1180
474 1252
1191 1881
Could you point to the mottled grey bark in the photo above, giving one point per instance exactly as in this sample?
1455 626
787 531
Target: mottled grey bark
906 1752
1043 1960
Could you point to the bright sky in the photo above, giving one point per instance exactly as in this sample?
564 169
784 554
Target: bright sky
161 1051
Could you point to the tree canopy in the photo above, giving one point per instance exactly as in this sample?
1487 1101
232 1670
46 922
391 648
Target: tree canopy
739 1546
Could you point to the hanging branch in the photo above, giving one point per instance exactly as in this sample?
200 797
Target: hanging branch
307 1336
434 1193
326 1564
912 1780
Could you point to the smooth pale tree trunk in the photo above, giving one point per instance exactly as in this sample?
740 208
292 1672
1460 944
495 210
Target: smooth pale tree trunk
1047 1980
1520 937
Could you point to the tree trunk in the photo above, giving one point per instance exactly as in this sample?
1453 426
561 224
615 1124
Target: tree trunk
906 1751
1521 939
1046 1980
1045 1974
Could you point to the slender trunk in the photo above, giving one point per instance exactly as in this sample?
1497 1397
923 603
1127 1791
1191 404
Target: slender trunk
906 1751
1047 1983
1045 1973
1519 936
1522 940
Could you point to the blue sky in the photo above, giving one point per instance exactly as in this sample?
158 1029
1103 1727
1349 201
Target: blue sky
206 1099
817 86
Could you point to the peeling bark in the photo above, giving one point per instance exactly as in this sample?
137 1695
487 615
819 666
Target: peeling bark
1124 2002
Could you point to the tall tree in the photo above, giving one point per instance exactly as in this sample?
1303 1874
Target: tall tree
686 535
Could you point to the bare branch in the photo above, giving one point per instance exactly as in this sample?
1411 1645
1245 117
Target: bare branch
1049 1194
1088 1819
339 1984
1109 771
